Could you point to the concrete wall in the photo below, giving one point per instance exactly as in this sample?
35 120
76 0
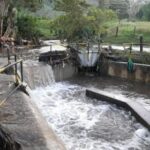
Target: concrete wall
64 71
119 69
141 114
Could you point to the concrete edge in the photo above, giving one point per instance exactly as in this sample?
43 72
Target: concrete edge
53 142
140 113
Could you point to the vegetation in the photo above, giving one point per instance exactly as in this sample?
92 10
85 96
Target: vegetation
137 57
8 13
144 13
79 21
129 32
27 27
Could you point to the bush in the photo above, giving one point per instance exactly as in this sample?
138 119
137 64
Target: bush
27 27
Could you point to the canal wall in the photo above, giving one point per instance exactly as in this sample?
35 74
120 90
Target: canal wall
141 72
64 71
140 113
21 116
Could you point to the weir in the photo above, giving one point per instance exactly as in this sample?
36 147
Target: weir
38 74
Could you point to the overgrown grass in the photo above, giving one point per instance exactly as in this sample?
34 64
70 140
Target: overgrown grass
129 32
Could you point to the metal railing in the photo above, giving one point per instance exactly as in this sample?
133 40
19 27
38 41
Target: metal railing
18 78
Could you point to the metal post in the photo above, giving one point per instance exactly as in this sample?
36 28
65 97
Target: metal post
21 65
141 43
8 55
99 45
130 48
16 69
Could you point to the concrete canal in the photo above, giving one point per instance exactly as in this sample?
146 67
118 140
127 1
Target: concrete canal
84 123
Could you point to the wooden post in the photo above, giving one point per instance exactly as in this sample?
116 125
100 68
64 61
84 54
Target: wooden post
141 43
117 30
88 46
99 45
8 55
16 69
21 65
130 48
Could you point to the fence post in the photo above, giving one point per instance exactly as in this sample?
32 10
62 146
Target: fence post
99 48
8 55
21 65
130 48
141 43
16 69
117 31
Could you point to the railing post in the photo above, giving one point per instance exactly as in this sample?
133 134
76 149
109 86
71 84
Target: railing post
21 65
16 68
141 43
130 48
8 55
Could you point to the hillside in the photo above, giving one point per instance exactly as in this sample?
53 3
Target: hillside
122 7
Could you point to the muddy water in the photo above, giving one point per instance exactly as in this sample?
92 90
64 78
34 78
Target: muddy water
86 124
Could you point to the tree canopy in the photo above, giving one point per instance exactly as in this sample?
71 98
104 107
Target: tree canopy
8 12
144 12
79 21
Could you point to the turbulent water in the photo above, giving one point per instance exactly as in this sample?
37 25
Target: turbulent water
86 124
83 123
37 74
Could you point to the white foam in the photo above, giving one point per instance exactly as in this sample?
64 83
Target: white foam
73 117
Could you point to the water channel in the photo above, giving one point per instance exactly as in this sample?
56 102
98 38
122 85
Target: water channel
87 124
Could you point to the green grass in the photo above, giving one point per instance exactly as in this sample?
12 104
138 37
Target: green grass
129 32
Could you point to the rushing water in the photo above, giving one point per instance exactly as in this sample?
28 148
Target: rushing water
86 124
37 74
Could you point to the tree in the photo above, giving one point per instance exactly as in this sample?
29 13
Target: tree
79 22
8 12
144 13
71 23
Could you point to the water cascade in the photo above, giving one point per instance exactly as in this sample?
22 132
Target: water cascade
88 59
38 74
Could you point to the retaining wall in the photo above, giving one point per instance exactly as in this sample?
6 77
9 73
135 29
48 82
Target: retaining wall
141 114
119 69
64 71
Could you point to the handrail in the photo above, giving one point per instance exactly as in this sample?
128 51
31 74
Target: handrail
10 65
17 77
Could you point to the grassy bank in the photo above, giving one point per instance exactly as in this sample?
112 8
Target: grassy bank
128 32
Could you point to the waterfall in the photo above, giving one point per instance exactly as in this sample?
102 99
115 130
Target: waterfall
88 59
37 74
